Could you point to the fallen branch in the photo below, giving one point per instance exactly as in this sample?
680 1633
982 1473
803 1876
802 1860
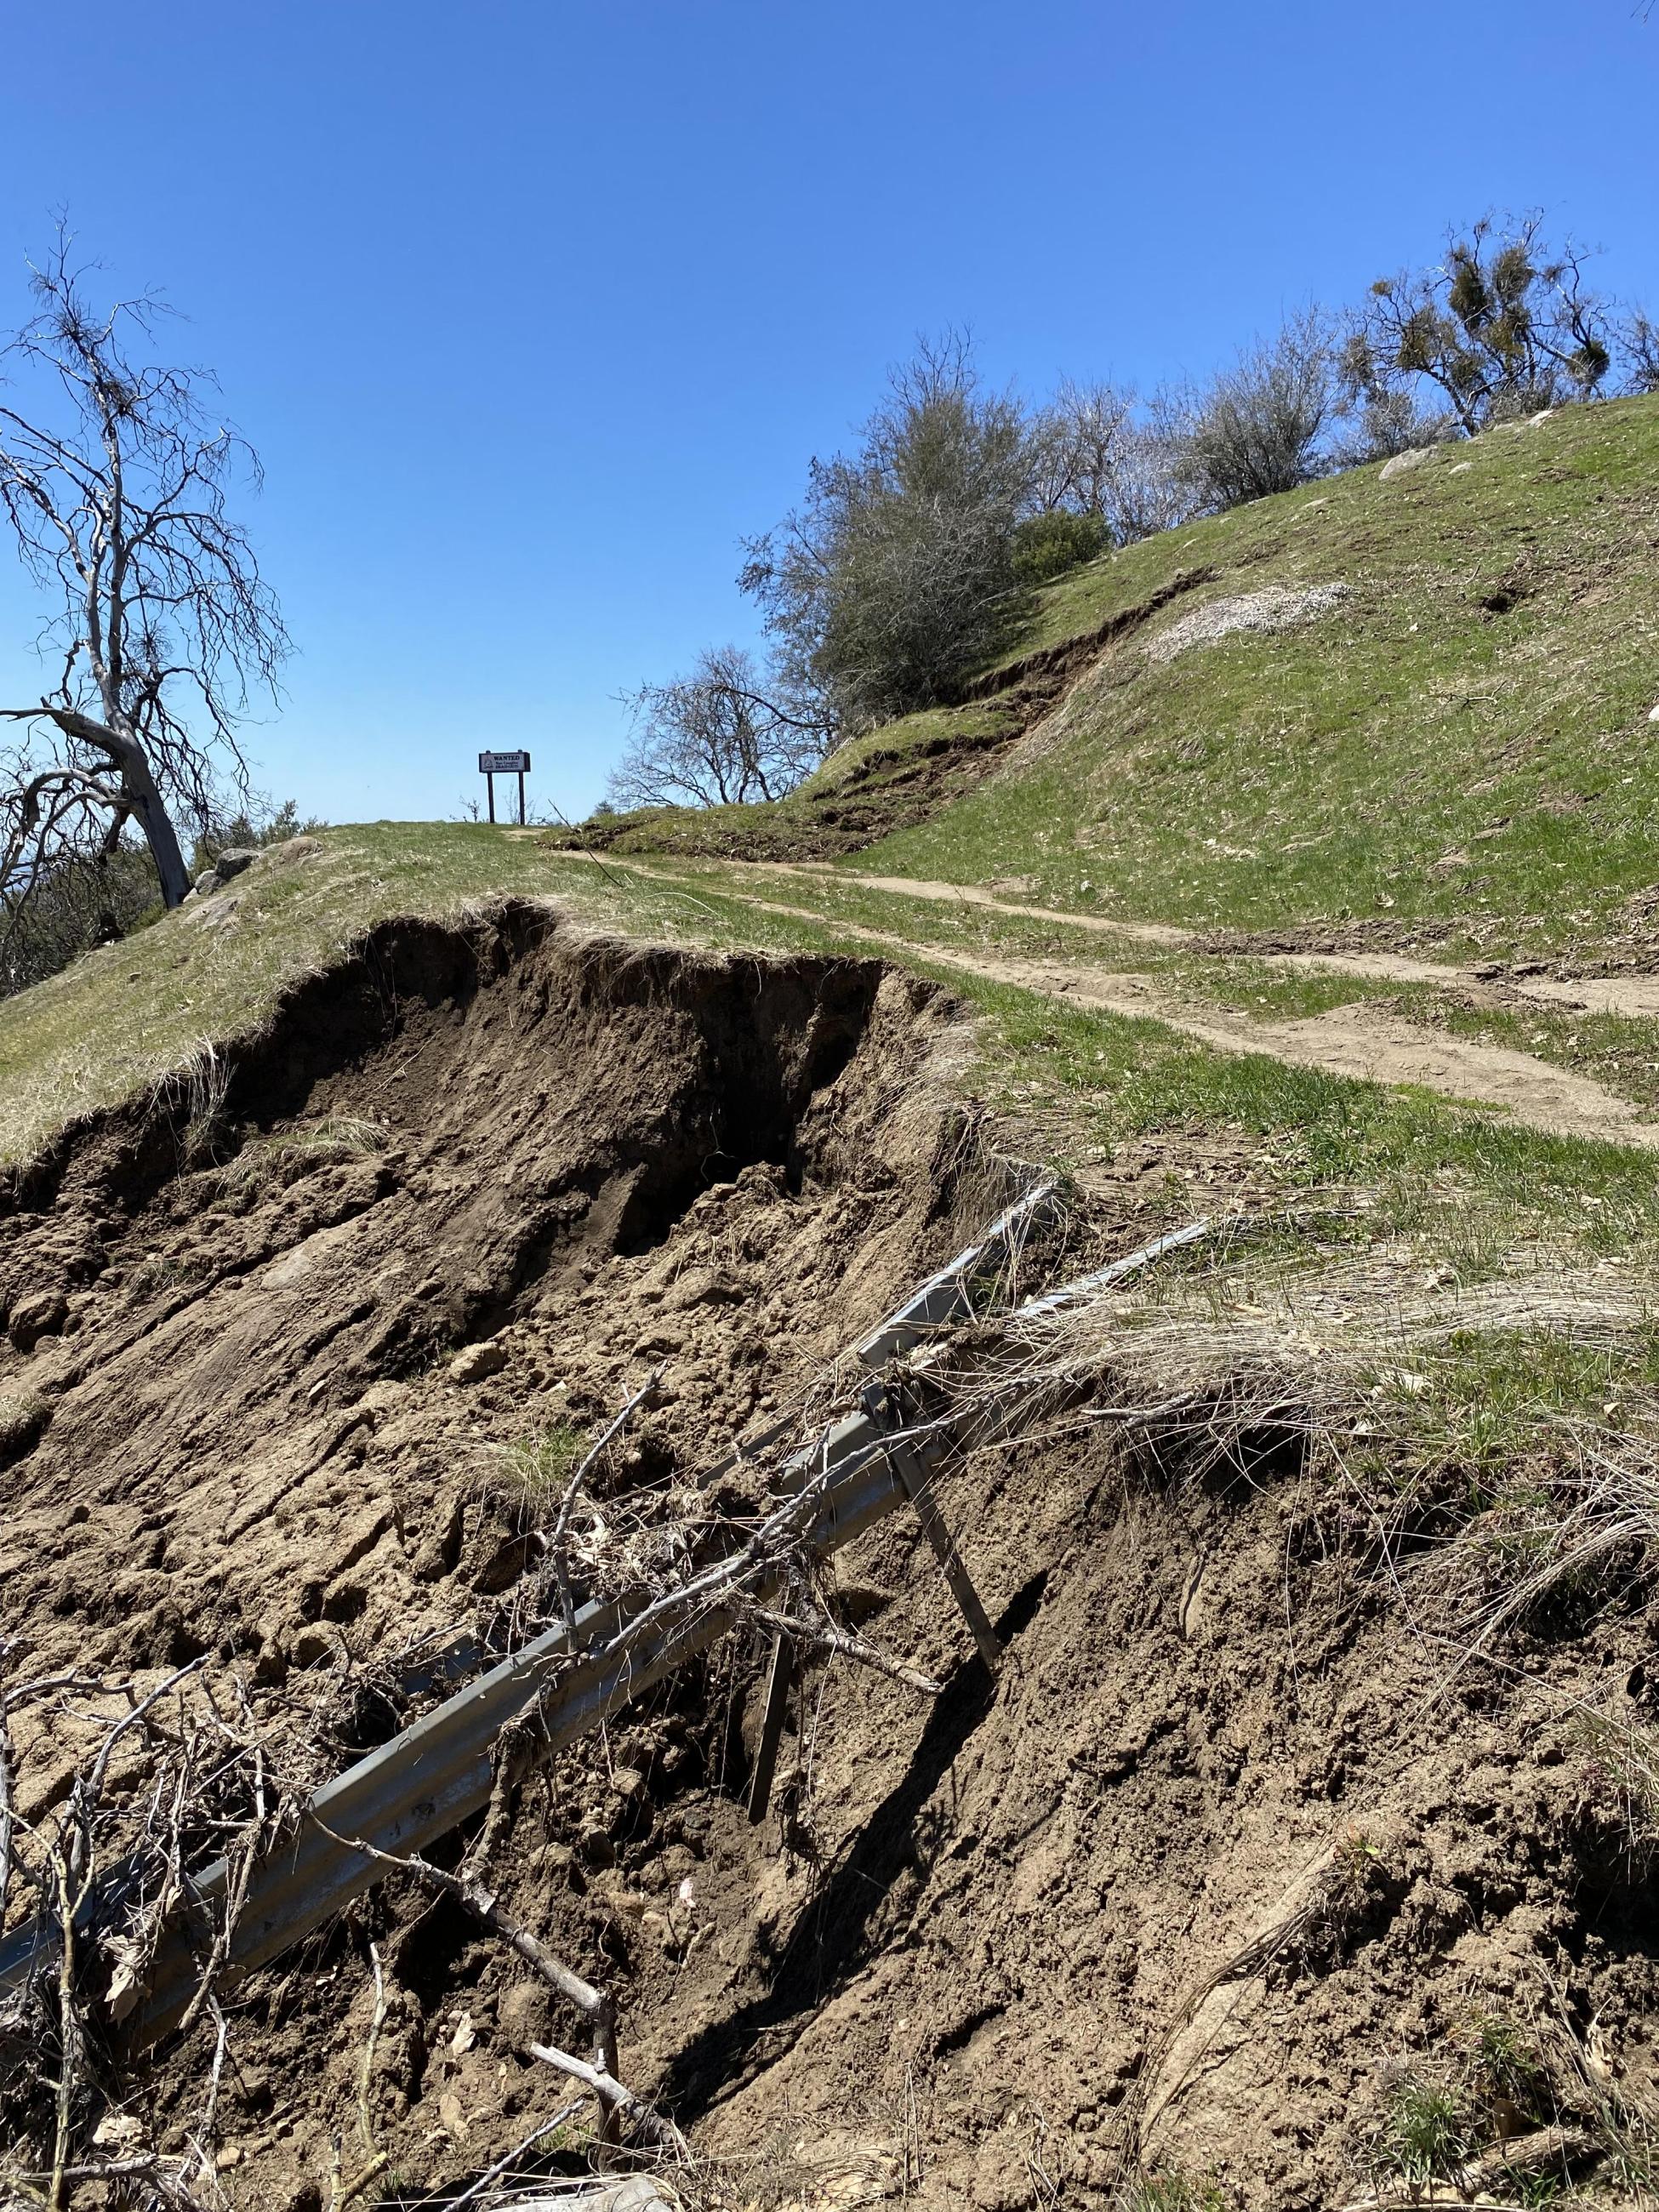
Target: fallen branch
557 1540
823 1635
481 1904
647 2124
342 2192
377 2022
475 2190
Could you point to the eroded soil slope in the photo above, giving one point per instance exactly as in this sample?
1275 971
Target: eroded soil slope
234 1415
1228 1857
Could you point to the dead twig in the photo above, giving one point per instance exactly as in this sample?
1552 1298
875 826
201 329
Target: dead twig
558 1539
377 2022
475 2190
597 2004
647 2122
821 1634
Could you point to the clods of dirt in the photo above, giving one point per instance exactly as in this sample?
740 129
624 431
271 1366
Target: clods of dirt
1224 1853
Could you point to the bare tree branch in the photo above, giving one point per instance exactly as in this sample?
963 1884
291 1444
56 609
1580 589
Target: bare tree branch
115 478
715 738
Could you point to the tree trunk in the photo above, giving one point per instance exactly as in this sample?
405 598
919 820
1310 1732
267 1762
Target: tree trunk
144 802
153 818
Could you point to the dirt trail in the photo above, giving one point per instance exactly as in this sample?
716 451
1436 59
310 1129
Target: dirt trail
1635 996
1357 1039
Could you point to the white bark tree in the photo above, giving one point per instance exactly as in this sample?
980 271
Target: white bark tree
115 477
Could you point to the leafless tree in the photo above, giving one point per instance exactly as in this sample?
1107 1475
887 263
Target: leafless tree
1256 427
1075 443
715 738
1383 422
1639 341
1093 452
115 475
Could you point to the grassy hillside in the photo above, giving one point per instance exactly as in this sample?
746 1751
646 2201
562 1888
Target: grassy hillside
866 789
1461 741
140 1010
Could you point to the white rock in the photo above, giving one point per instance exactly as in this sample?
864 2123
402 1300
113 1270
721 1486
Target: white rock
477 1361
1653 714
1413 457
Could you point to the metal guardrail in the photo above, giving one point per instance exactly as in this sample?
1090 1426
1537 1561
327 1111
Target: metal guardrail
944 1298
416 1788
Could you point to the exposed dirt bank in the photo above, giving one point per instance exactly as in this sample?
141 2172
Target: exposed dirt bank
576 1157
281 1346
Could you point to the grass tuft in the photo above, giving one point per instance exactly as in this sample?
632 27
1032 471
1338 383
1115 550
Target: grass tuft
532 1473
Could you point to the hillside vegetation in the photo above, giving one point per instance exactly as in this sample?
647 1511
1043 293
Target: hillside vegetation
1455 737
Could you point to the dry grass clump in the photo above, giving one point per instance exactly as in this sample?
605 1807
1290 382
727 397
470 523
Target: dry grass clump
531 1474
290 1153
1512 2111
23 1417
1623 1755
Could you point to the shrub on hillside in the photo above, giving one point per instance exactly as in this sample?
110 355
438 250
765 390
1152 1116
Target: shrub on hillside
85 899
895 577
1047 545
1258 426
1503 326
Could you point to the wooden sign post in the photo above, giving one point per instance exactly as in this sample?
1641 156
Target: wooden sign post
491 765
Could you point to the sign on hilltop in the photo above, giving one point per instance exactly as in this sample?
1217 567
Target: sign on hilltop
490 765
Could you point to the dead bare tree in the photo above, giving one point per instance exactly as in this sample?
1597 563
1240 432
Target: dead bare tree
1504 324
115 477
716 738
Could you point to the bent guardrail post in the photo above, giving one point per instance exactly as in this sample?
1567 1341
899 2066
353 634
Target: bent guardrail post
914 1475
943 1298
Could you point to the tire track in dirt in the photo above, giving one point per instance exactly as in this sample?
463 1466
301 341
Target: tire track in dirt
1357 1039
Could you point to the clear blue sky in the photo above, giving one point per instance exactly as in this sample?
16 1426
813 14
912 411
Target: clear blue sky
534 307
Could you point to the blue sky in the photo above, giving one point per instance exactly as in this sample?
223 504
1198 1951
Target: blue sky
534 310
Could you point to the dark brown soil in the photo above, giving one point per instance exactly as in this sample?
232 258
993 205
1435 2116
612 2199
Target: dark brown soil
966 1959
237 1333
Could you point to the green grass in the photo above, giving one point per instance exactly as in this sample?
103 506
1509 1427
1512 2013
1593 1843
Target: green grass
1084 1082
1476 1181
1411 755
1423 2136
871 779
532 1473
1462 748
1170 2190
881 755
138 1011
1621 1051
